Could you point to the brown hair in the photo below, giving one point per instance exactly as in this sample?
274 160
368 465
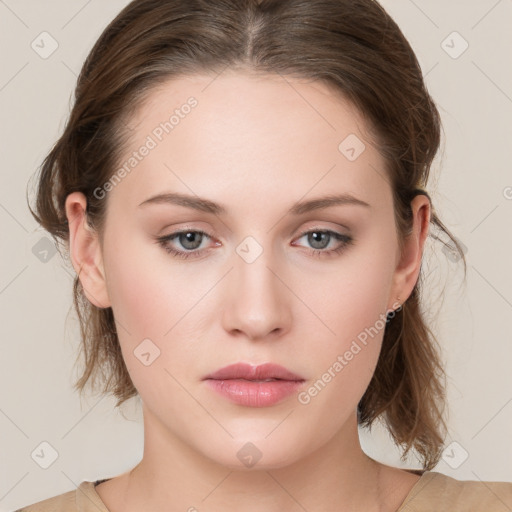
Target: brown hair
352 45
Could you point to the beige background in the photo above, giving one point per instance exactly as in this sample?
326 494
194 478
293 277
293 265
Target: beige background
471 187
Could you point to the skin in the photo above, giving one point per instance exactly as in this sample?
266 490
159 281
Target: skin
256 145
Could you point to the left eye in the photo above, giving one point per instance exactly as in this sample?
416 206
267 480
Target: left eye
320 240
191 241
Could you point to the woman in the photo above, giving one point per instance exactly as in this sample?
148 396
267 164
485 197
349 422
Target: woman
241 187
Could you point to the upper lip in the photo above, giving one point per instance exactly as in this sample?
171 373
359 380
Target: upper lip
251 372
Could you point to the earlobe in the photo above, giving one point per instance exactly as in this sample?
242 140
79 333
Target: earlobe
409 265
85 251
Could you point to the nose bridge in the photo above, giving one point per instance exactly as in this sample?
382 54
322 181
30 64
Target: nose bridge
257 303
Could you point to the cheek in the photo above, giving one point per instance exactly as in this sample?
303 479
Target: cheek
342 365
350 316
351 299
354 326
154 299
148 291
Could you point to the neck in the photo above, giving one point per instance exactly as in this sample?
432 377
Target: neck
173 476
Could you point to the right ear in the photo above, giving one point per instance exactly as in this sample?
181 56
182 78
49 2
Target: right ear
85 251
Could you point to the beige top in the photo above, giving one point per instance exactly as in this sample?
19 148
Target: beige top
433 492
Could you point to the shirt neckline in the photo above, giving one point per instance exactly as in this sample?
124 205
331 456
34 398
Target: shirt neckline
86 493
424 479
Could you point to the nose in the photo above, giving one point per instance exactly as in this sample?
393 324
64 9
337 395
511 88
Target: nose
257 304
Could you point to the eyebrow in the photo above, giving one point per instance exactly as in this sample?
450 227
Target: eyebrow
208 206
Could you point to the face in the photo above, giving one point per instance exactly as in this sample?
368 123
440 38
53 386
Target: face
245 263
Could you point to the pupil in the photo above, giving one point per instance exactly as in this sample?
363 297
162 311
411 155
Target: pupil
188 240
316 238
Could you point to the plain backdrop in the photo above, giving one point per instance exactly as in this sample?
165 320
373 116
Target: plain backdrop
463 48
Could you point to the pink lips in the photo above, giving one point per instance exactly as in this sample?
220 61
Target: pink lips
254 386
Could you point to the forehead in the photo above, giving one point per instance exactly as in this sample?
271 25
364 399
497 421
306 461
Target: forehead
267 135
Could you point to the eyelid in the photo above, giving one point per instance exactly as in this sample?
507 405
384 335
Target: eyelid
305 231
340 237
324 228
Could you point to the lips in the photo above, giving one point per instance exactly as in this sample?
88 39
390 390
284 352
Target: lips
263 372
254 386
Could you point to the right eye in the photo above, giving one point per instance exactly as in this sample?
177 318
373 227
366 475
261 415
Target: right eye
189 239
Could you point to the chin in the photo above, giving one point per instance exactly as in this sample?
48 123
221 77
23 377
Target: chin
254 453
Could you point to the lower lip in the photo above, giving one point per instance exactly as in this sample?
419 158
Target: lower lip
253 393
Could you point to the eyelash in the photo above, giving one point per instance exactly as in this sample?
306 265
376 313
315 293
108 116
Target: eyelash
345 240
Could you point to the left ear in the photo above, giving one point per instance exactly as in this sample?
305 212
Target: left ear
409 264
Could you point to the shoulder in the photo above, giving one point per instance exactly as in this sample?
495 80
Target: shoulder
82 499
435 491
